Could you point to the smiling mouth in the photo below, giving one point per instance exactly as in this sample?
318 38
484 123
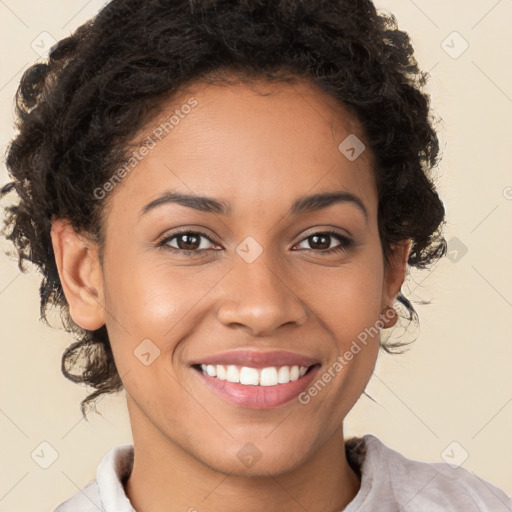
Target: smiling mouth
249 376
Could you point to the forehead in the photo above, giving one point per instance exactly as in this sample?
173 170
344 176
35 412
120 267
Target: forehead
260 144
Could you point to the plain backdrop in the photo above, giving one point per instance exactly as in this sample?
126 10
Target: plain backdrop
449 396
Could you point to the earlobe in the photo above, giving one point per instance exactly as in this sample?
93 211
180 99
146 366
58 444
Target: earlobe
79 270
393 280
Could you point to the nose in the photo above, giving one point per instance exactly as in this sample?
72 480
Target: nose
260 297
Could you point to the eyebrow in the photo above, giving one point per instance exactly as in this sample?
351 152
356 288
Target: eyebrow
301 205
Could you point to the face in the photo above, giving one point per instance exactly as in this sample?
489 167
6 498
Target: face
264 279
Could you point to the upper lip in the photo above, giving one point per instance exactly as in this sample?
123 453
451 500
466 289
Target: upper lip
257 359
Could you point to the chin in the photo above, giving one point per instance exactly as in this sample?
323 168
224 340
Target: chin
255 459
267 466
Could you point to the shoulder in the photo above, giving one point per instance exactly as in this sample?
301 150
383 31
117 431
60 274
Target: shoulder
420 486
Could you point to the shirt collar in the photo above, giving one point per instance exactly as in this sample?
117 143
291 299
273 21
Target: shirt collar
116 466
113 471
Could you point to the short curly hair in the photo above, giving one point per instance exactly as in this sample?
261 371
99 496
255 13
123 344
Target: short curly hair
77 112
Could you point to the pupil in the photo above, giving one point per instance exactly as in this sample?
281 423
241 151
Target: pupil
187 237
316 237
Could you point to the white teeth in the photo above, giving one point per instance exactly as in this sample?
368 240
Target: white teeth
221 372
284 375
268 376
248 376
232 374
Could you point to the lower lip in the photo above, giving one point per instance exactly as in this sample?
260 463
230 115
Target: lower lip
258 397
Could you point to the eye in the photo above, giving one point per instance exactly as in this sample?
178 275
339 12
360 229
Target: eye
322 240
187 241
195 243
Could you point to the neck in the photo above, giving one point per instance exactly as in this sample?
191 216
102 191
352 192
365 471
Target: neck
165 478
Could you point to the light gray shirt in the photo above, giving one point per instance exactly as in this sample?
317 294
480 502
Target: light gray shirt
390 482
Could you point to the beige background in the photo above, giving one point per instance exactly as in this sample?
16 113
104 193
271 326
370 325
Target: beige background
454 384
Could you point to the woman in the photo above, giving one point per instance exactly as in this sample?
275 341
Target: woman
224 198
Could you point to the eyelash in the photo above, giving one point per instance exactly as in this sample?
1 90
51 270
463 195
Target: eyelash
345 246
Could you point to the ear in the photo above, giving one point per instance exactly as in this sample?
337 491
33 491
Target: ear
80 274
393 279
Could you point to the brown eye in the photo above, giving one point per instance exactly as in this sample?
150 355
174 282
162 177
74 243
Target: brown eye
321 242
187 242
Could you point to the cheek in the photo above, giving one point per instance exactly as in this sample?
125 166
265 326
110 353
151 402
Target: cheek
347 299
348 302
152 308
152 298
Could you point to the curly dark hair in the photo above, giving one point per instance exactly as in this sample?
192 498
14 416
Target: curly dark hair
77 112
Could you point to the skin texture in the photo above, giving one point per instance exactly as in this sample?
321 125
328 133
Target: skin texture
259 153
